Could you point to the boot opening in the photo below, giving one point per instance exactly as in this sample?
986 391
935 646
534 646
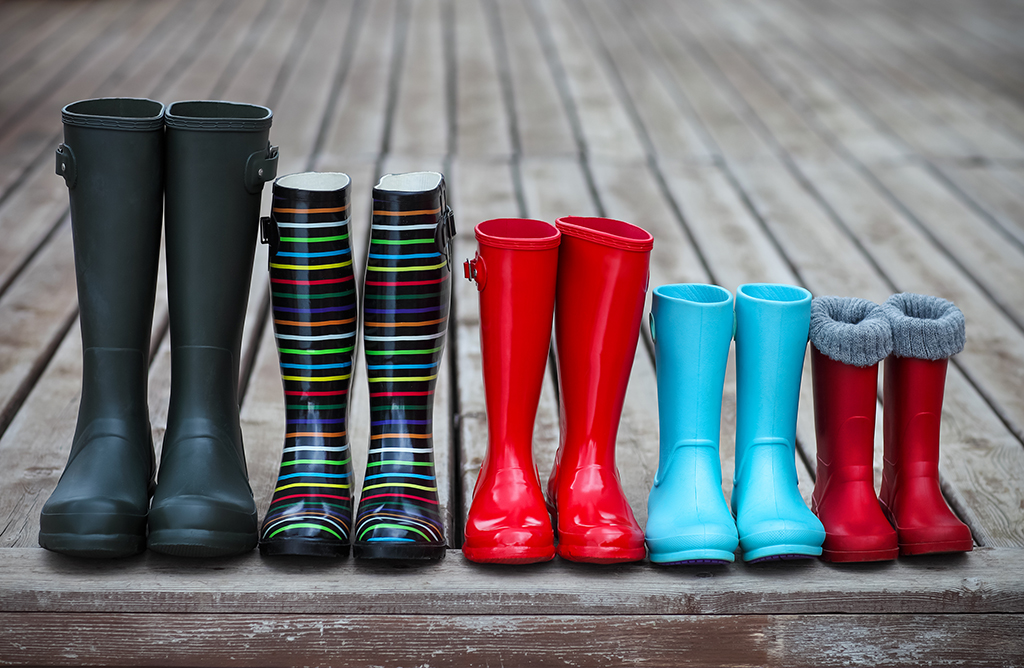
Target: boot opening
694 292
412 182
772 292
119 107
118 113
517 233
315 181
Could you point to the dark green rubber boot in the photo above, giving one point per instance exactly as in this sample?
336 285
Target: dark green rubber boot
218 159
112 161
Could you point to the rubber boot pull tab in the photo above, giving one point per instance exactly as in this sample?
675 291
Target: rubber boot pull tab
443 234
270 234
66 166
476 271
260 168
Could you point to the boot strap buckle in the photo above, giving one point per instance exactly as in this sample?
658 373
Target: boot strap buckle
476 271
66 166
260 168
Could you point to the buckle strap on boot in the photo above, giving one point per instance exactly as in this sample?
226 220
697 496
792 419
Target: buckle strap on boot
260 168
476 271
66 165
445 230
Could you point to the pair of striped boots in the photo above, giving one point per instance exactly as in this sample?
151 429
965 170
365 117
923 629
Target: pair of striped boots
406 295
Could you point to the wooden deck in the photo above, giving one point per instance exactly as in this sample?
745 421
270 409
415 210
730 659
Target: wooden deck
856 148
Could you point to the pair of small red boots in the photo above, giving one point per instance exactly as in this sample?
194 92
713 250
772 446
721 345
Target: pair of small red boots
915 335
591 274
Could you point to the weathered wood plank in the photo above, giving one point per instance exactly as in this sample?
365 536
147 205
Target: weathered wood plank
356 129
985 581
884 45
28 81
999 191
27 26
990 116
542 125
421 124
481 121
604 129
678 640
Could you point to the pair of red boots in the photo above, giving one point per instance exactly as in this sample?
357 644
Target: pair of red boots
591 275
915 335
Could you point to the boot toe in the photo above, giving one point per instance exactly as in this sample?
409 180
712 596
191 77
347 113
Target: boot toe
93 527
696 543
778 538
197 526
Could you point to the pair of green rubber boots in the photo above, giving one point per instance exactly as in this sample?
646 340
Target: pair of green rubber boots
122 159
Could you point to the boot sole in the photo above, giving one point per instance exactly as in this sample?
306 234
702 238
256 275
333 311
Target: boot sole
850 556
601 555
684 557
940 547
93 546
304 547
398 551
197 543
781 553
509 554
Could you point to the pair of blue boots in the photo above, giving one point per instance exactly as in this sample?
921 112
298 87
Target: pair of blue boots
688 520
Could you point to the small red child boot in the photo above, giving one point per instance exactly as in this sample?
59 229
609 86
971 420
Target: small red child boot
849 337
515 270
926 332
602 281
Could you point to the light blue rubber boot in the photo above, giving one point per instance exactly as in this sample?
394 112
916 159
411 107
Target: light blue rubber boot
688 520
772 322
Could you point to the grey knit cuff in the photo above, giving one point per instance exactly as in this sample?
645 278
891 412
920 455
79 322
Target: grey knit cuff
850 330
924 327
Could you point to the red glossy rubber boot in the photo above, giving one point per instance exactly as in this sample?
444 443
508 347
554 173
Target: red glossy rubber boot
926 332
602 280
849 337
515 270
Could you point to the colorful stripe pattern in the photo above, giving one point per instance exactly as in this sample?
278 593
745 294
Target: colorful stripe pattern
314 309
405 309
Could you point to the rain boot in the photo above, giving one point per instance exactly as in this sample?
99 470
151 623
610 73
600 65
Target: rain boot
515 271
313 297
599 303
112 163
218 159
926 332
849 337
688 520
407 292
772 323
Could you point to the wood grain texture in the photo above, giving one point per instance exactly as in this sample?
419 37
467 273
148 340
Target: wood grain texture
349 640
984 581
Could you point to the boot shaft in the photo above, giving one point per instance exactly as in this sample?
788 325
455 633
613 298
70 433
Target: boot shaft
515 270
772 323
218 158
913 391
692 326
602 283
926 332
112 161
844 418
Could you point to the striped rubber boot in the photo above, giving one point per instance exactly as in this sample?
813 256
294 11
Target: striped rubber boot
314 303
405 318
